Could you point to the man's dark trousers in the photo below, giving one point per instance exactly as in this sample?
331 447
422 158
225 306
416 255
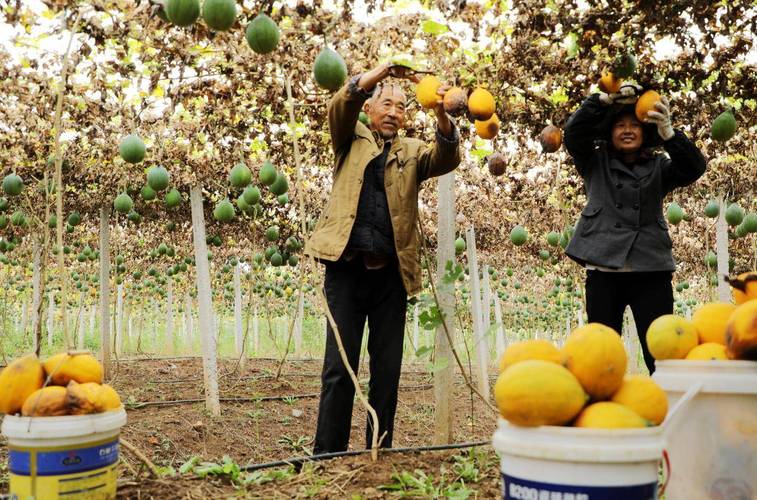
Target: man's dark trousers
355 293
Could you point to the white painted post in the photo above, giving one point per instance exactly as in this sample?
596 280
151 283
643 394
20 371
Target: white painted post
169 340
50 318
105 289
499 333
188 305
721 243
443 378
479 335
416 338
298 324
119 318
204 297
238 330
80 328
580 316
486 294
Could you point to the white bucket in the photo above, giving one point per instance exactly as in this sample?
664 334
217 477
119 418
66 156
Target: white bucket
63 457
570 463
713 444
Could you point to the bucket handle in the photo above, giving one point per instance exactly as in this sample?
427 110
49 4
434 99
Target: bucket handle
668 472
682 403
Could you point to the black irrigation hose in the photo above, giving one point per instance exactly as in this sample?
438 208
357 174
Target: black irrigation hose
338 454
139 405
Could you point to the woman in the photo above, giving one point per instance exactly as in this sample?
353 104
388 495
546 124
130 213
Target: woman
622 238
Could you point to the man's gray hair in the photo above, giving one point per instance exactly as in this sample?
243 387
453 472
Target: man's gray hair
380 88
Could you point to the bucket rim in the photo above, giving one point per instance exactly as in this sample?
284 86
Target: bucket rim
62 427
707 364
558 430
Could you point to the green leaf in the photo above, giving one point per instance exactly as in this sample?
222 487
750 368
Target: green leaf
433 28
423 350
189 464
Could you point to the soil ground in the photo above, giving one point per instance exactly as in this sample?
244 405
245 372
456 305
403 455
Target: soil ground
253 431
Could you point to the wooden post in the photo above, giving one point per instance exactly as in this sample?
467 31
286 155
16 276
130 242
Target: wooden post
443 386
105 289
479 335
204 297
721 242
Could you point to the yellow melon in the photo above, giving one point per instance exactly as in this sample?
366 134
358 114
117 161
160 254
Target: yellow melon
744 287
81 367
609 83
646 103
426 91
487 129
537 392
49 401
455 101
741 332
91 397
594 353
710 321
18 380
708 351
481 104
609 415
529 349
671 337
109 399
642 395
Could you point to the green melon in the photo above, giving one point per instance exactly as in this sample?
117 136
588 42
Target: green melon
219 15
711 260
162 249
74 219
183 12
267 173
132 149
280 185
363 117
3 221
553 238
518 235
329 70
734 214
712 209
53 222
224 211
240 176
543 255
750 222
13 185
272 233
459 246
3 204
724 126
172 198
624 65
242 204
293 260
18 218
148 193
675 213
276 259
158 178
262 34
283 199
251 195
123 203
741 230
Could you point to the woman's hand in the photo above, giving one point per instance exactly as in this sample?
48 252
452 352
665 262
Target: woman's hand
661 118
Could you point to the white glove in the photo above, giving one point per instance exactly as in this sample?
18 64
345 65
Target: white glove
628 94
661 118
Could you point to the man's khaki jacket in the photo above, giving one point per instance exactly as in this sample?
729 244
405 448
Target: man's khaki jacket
409 162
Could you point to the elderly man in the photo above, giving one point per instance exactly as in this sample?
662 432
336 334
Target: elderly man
367 239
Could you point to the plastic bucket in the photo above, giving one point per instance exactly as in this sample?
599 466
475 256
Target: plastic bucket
713 445
63 457
569 463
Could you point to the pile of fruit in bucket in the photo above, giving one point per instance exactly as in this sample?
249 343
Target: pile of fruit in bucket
717 330
584 384
68 383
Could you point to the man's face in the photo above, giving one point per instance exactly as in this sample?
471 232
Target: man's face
627 134
386 111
